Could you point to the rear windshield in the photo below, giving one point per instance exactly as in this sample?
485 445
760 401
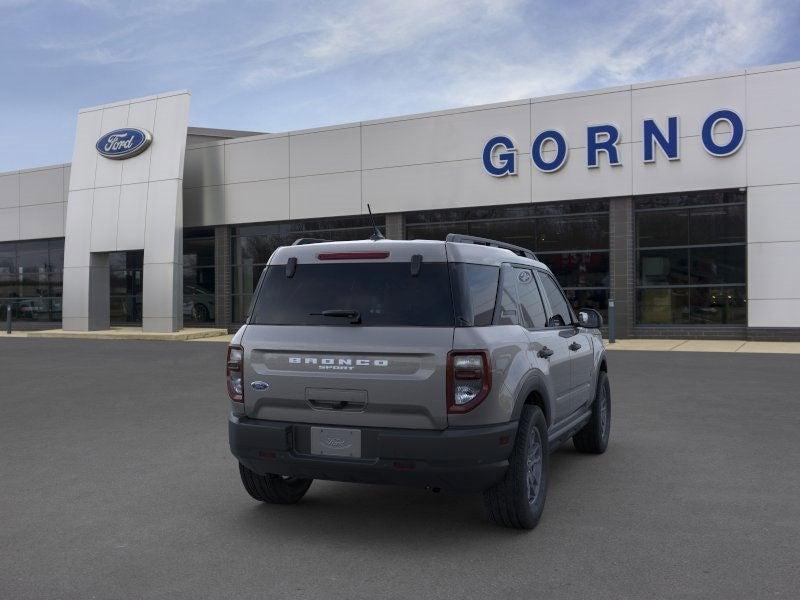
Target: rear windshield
384 294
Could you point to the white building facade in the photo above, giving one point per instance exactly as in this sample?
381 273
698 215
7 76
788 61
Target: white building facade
677 200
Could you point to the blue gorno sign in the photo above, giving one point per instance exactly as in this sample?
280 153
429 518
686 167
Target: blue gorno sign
123 143
500 152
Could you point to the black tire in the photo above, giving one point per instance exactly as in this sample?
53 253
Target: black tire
593 437
511 503
273 489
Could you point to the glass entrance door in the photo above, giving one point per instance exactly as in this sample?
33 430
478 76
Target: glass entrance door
126 287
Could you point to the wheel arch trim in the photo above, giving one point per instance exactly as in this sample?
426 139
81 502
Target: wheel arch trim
535 383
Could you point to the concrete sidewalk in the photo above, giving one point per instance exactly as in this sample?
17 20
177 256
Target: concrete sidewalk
122 333
222 336
706 346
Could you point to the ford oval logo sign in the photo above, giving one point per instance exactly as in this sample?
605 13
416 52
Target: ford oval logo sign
123 143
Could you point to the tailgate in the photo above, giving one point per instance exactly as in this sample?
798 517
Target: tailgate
345 375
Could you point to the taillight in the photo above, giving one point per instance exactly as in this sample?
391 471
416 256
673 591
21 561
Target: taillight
469 379
234 371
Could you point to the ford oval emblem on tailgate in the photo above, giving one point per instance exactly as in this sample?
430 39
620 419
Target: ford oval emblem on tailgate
259 385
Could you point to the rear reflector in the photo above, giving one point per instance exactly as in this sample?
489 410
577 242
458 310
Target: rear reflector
352 255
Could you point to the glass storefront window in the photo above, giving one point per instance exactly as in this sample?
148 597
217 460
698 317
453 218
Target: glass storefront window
667 266
657 306
30 279
578 269
725 224
8 258
589 298
126 287
718 305
718 264
585 232
660 228
691 259
199 276
572 238
241 304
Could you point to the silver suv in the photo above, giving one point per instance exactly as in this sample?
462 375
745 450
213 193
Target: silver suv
454 365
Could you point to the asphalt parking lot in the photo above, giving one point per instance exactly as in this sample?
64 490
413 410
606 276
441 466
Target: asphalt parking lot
116 482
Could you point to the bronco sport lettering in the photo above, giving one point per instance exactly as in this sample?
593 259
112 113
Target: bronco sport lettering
341 362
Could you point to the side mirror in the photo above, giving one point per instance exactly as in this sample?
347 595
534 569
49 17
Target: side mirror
590 318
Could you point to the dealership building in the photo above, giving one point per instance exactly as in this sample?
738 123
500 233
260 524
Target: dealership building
677 200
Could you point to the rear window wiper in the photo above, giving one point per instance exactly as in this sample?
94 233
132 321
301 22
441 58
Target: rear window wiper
345 313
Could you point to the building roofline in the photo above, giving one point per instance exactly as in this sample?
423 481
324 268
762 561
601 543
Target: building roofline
522 101
233 136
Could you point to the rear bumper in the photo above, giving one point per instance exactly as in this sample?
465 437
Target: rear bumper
457 459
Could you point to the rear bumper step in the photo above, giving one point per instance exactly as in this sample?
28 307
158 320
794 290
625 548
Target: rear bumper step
457 459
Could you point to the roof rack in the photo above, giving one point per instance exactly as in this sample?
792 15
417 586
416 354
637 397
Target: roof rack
472 239
304 241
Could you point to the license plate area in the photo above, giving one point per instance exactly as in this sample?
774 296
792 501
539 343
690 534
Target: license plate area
335 441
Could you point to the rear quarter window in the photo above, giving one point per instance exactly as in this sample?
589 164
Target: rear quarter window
474 293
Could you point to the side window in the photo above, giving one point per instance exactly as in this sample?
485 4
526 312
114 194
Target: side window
507 304
530 301
558 304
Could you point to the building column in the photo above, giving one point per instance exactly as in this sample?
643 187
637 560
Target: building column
621 263
118 206
162 275
395 226
99 292
86 303
222 276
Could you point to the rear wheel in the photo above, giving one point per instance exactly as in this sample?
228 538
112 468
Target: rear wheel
593 437
518 500
274 489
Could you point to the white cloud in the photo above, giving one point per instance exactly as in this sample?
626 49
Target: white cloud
455 53
324 39
673 40
467 51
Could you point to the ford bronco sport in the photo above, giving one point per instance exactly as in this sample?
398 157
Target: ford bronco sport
454 365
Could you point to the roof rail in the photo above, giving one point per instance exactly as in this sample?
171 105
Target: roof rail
472 239
304 241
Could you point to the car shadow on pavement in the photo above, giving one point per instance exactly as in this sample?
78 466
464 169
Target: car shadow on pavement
342 512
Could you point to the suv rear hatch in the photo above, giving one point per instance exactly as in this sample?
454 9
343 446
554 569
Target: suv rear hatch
351 334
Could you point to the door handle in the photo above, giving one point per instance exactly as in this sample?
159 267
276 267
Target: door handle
545 352
574 346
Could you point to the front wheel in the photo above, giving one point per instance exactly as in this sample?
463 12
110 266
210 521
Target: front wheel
593 437
273 489
518 500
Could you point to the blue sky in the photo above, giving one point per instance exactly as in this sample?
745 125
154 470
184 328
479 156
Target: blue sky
277 66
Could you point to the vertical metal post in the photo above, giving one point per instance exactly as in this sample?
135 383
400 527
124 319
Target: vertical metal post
612 322
8 318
